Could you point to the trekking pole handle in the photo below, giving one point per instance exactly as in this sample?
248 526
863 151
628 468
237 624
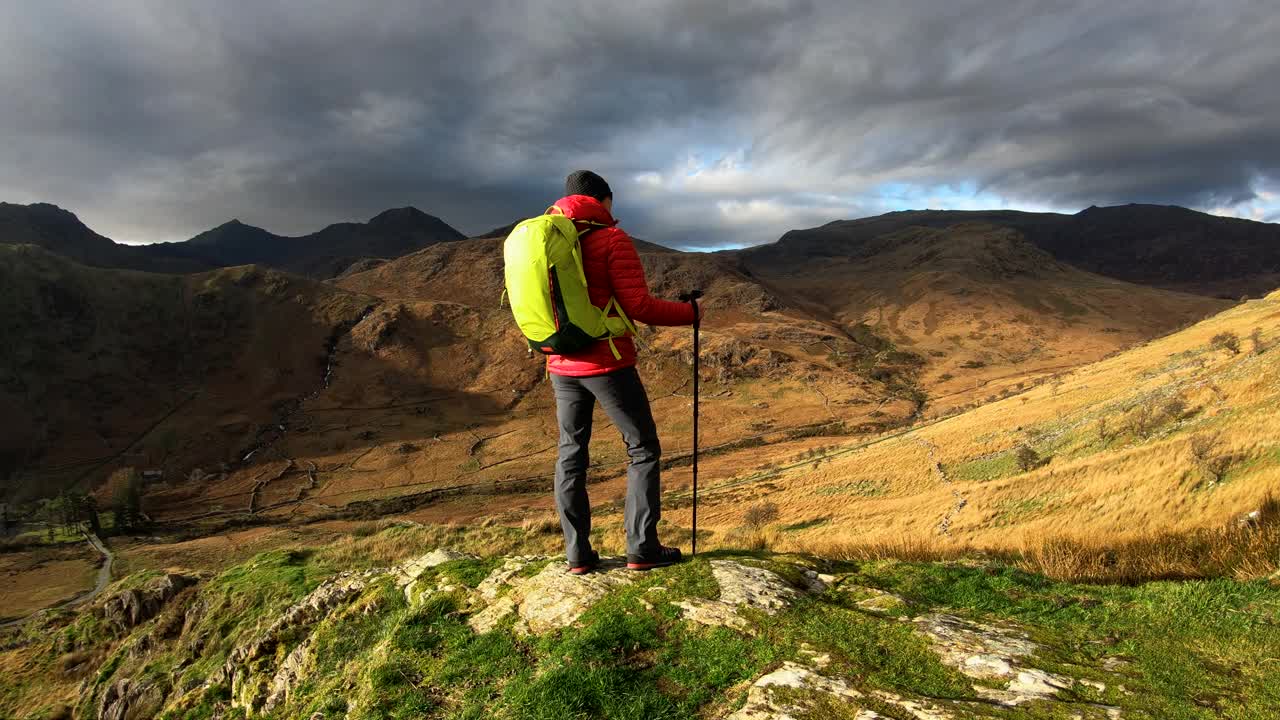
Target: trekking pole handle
691 297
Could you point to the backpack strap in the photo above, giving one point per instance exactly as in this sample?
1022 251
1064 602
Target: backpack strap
615 307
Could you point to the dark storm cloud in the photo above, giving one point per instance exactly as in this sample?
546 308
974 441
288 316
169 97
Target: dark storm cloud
715 123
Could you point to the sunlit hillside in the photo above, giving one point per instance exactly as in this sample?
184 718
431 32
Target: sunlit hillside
1176 434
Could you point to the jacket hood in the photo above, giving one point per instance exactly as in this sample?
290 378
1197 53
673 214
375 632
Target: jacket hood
584 208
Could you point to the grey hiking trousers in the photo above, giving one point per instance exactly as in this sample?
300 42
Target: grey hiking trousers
623 398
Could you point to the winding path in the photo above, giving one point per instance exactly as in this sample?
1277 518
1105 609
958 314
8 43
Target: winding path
104 579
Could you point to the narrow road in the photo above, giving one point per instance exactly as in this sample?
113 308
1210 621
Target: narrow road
104 579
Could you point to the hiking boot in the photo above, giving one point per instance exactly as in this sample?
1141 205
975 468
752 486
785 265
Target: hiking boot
586 565
661 557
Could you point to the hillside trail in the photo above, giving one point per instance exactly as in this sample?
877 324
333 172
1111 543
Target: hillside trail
103 580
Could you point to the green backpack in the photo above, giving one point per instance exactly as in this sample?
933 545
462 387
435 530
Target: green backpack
547 289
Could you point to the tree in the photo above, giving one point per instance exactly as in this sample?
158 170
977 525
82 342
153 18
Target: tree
126 498
1228 341
89 508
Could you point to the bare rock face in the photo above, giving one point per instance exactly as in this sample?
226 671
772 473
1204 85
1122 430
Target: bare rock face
741 586
130 608
552 599
987 652
130 700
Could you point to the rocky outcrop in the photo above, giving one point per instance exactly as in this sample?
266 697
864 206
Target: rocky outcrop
128 699
128 609
417 589
500 579
988 652
797 691
552 599
741 586
877 602
249 668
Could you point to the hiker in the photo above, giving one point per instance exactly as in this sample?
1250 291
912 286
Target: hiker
606 371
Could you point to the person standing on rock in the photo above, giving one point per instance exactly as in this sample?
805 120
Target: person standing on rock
613 270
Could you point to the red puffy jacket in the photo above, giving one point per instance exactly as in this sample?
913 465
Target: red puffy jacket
613 270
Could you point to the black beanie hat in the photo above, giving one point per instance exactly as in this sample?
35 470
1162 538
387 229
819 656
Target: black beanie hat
585 182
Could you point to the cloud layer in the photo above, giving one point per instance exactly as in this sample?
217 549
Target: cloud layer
717 123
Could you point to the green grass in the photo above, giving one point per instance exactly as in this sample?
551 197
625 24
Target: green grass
861 488
469 572
995 467
1265 460
1016 510
1197 649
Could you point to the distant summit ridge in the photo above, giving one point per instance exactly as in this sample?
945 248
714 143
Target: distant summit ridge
1165 246
322 254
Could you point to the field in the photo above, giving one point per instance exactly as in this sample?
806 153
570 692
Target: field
40 578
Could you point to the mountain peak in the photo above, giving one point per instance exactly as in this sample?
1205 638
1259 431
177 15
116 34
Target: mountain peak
43 212
232 232
54 229
403 217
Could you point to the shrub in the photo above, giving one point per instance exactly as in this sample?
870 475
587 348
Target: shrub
1141 420
1027 458
1228 341
1255 338
1174 408
1206 453
1106 433
759 515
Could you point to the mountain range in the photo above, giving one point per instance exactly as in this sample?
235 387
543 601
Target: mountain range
322 254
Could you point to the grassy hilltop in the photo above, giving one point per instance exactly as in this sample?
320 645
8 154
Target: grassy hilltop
370 627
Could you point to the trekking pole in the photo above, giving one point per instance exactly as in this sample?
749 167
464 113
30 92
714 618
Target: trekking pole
691 297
